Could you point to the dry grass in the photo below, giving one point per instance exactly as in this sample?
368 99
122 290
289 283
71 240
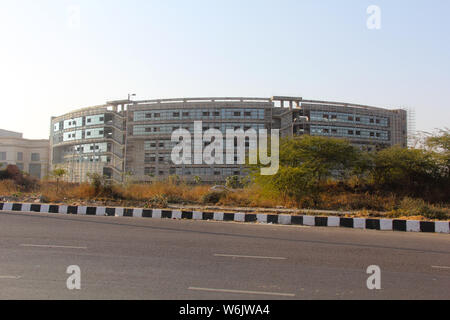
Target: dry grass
8 187
334 197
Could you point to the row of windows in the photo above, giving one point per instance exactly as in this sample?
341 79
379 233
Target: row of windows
198 114
79 122
140 130
103 159
19 156
87 134
350 118
202 171
349 132
91 148
153 145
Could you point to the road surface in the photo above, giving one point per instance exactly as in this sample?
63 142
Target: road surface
133 258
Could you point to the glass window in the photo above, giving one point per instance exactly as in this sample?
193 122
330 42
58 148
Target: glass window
19 156
2 155
35 157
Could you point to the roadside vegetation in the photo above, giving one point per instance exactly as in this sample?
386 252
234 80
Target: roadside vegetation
315 173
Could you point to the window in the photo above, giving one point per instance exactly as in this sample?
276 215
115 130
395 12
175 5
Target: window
334 131
161 144
101 119
89 120
350 132
100 132
216 113
350 118
2 155
88 133
176 114
248 114
358 119
333 116
358 133
148 129
185 114
378 135
237 114
325 131
148 115
371 121
19 156
157 115
35 157
378 121
206 114
372 134
325 116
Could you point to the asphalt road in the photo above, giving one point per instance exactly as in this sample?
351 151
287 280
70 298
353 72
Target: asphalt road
132 258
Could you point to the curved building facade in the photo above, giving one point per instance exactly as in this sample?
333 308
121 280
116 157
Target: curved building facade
133 138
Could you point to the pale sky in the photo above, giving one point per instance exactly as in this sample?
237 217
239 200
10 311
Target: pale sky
53 60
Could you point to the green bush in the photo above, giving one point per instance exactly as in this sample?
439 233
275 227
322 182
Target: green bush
212 197
158 201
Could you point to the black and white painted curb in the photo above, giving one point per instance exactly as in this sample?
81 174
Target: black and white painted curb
283 219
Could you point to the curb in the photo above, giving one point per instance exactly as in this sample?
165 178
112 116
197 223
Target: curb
282 219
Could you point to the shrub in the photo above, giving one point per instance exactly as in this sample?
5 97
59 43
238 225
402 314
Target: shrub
212 197
158 201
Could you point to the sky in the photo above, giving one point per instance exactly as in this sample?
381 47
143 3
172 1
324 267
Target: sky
60 55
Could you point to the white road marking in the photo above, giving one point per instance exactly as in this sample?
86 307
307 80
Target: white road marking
10 277
50 246
248 257
440 267
244 292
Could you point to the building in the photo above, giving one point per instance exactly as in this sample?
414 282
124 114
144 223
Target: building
31 156
128 137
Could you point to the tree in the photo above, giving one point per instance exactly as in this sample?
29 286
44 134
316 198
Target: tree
234 182
306 161
440 144
197 180
325 157
405 170
58 174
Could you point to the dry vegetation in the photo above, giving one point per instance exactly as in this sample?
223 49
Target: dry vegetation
162 194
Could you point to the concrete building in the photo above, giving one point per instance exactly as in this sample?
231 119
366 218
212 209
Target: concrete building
31 156
134 137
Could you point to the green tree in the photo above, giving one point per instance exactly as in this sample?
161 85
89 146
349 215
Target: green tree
306 162
405 170
234 182
325 157
197 180
58 174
